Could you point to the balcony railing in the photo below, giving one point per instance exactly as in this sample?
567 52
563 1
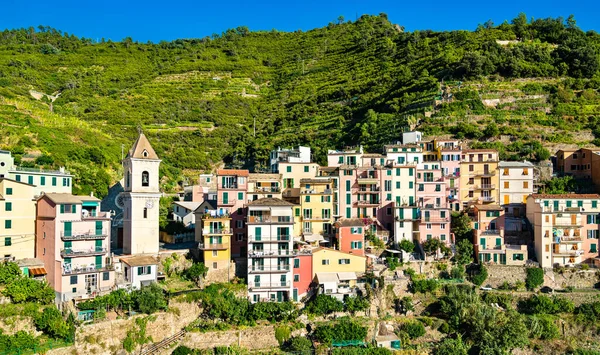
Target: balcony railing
436 219
81 269
269 219
267 190
575 253
215 215
230 186
485 248
374 189
227 203
487 198
87 235
316 218
94 215
271 253
268 268
367 203
315 192
212 246
567 239
41 170
217 231
269 238
269 284
491 232
482 173
71 253
485 187
567 224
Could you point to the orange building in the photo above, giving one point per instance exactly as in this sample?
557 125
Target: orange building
350 236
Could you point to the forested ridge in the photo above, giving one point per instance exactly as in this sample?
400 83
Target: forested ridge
232 97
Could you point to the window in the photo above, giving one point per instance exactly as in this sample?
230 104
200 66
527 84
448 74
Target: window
505 172
397 184
105 276
410 172
7 224
239 224
525 171
215 253
240 195
306 168
428 226
344 261
325 262
410 184
30 180
348 185
579 203
296 263
54 181
296 278
388 211
144 270
307 199
239 237
471 167
355 245
145 178
7 241
42 180
428 236
518 257
525 184
73 280
9 190
214 265
443 226
506 184
8 206
145 212
348 212
297 212
18 177
340 160
288 169
442 237
593 248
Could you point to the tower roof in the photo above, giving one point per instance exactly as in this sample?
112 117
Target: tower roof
142 149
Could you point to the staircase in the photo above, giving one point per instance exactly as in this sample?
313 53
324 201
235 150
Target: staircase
163 344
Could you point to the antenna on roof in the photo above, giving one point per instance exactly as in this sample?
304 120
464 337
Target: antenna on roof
139 129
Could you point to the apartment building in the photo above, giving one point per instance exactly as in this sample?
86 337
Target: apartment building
479 177
565 228
270 250
298 155
291 174
316 209
303 274
489 238
583 163
17 220
449 154
183 211
73 241
43 180
336 272
404 154
432 201
205 190
350 157
264 185
232 188
516 183
350 236
213 234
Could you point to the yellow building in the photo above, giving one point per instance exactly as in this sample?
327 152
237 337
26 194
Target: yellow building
264 185
479 178
291 174
326 260
17 220
316 208
213 234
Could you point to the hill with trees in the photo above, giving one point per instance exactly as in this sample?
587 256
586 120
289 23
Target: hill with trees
525 87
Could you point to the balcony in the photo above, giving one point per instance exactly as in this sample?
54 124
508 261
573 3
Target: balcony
573 253
268 219
68 269
265 190
228 186
368 180
271 253
268 268
436 219
87 235
487 199
85 215
208 231
267 239
567 224
568 240
485 187
259 285
212 246
41 170
490 248
73 253
367 203
482 173
215 215
315 192
227 202
315 218
372 190
491 232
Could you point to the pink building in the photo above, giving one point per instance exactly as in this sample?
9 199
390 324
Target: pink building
73 241
449 152
350 236
232 186
303 274
432 200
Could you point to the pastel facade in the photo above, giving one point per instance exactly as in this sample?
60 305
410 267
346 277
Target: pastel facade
232 188
583 163
183 211
213 235
489 237
316 208
17 220
479 178
565 228
73 242
298 155
291 174
139 271
264 185
449 155
303 274
350 236
432 201
270 250
329 260
516 183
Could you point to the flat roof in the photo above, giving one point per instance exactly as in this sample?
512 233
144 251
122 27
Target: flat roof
65 198
235 172
141 260
270 201
488 207
188 204
566 196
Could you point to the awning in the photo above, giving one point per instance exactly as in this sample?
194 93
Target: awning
345 276
393 251
37 271
323 277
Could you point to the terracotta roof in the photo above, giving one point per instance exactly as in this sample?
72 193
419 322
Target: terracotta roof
270 201
37 271
260 176
142 144
236 172
317 180
350 222
566 196
337 251
62 198
488 207
479 150
141 260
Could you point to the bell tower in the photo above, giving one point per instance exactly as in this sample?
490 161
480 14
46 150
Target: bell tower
141 198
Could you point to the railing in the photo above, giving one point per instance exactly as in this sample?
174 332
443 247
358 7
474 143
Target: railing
567 224
222 214
367 203
88 235
576 253
228 186
212 246
269 238
482 173
85 269
68 252
490 247
371 190
567 239
266 268
315 192
217 231
307 231
92 215
436 219
269 219
487 198
269 285
271 253
491 232
485 187
267 189
227 203
41 170
316 218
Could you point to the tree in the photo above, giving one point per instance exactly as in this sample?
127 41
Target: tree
452 347
340 19
460 225
355 304
464 252
9 272
299 344
151 299
51 322
432 246
491 130
479 274
535 278
196 272
404 305
407 246
324 304
25 289
520 23
414 329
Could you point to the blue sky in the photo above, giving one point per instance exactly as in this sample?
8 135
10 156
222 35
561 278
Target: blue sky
166 20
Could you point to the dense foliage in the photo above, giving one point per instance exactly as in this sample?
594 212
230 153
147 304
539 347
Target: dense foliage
535 278
345 329
478 273
21 288
148 300
234 96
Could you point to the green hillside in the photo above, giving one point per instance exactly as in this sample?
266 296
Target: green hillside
235 96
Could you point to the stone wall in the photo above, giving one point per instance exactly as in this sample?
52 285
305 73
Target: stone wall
259 337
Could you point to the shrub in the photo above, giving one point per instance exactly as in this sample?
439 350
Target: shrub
25 289
324 304
458 272
355 304
542 327
425 285
541 304
183 350
345 329
407 246
299 345
392 263
282 334
195 272
452 347
410 272
151 299
535 278
413 329
9 272
404 305
51 322
479 274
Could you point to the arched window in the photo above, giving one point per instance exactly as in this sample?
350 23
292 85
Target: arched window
145 179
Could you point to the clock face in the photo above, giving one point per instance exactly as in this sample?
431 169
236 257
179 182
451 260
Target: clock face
149 204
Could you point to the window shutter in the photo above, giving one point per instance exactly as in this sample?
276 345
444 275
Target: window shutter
73 208
62 208
139 270
360 245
